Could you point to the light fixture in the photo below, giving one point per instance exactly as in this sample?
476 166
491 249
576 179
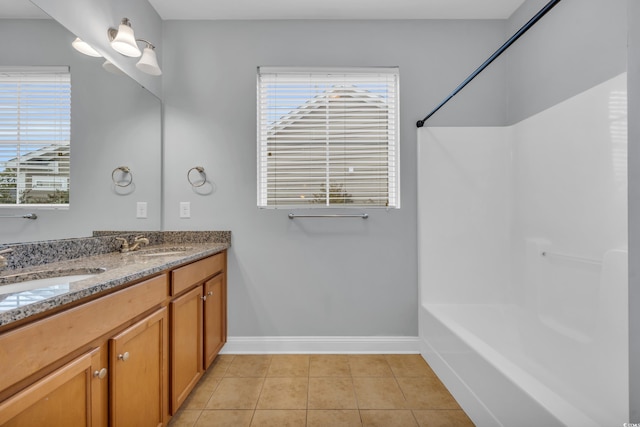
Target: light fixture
84 47
123 39
124 42
108 65
149 62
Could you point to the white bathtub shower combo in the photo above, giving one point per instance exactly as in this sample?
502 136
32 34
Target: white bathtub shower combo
523 263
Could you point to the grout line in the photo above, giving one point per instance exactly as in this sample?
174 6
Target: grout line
255 408
353 386
306 413
196 421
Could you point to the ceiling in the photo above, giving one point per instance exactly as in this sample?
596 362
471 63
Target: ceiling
336 9
306 9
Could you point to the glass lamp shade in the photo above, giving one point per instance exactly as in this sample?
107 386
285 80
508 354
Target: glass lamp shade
84 47
125 42
107 65
149 63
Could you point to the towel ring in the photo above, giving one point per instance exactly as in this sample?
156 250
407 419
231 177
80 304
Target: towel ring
124 170
200 169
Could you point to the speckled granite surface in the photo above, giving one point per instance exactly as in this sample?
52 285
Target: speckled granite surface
175 236
96 253
103 242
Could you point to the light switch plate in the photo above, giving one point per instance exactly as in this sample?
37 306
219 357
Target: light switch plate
141 210
185 210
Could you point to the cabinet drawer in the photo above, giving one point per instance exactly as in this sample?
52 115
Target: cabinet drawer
36 345
184 277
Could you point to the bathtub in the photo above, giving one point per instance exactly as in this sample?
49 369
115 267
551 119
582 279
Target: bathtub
523 278
507 367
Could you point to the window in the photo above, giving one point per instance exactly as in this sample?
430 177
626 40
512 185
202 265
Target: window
328 138
35 122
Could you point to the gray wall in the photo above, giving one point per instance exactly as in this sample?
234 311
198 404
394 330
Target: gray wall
114 121
335 277
634 207
575 46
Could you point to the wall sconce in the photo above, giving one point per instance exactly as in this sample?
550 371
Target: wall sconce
123 41
84 47
107 65
149 62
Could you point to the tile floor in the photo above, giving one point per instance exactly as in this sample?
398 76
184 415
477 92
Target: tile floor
320 391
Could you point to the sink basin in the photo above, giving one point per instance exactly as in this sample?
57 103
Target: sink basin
152 252
44 279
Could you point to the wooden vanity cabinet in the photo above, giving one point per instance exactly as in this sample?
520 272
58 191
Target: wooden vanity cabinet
128 358
198 322
66 397
59 367
138 370
186 344
215 318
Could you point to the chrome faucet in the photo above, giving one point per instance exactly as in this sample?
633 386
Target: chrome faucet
138 241
3 260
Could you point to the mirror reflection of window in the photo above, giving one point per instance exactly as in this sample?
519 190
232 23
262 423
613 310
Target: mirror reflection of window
35 127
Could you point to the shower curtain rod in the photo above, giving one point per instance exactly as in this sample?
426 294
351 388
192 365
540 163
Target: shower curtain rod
496 54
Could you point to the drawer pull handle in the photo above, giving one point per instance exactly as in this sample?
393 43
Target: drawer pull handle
101 373
124 357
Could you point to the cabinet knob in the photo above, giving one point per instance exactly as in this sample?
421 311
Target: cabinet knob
101 373
204 298
210 293
124 357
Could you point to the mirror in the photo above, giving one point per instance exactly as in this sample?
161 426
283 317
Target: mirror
114 122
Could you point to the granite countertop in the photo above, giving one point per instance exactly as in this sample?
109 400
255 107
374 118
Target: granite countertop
120 268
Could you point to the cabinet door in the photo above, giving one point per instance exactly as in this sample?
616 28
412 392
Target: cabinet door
138 360
186 345
62 398
215 318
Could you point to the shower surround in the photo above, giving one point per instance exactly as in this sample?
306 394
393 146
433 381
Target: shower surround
523 263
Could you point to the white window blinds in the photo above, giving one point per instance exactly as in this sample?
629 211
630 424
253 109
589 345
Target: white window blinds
35 122
328 137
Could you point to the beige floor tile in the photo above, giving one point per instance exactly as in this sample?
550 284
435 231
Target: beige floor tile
219 366
201 393
443 418
185 418
289 365
225 418
409 365
320 391
279 418
333 418
369 365
284 393
329 365
249 366
426 393
236 393
331 393
387 418
379 393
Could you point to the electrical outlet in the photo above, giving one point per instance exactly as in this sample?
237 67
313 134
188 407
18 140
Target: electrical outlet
141 210
185 210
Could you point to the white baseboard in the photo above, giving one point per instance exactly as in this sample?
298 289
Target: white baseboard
319 345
